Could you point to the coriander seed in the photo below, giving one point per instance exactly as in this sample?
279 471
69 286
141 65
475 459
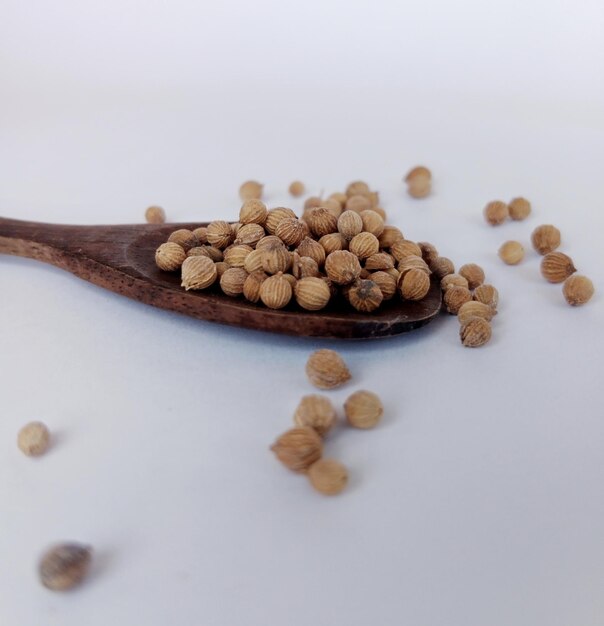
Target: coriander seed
487 294
219 234
253 212
475 332
184 238
385 282
315 412
252 284
428 252
357 187
365 296
389 236
249 234
312 294
364 245
474 309
358 203
253 261
379 261
64 566
578 290
251 190
298 448
342 267
404 248
413 263
304 267
322 222
451 280
496 212
328 476
291 231
473 273
545 238
202 234
170 256
363 409
333 242
236 255
372 222
556 267
419 182
232 281
442 266
276 291
274 217
511 252
313 249
520 208
155 215
350 224
276 259
198 272
33 439
296 189
455 297
312 202
414 284
326 369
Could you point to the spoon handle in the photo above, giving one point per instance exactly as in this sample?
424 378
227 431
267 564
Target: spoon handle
34 240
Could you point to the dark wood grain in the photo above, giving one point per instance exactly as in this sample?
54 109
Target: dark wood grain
121 259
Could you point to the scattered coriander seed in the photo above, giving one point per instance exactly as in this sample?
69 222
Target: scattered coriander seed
219 234
326 369
556 267
296 189
155 215
198 272
291 231
385 282
487 294
64 566
414 284
419 182
276 258
474 333
33 439
315 412
404 248
365 296
251 190
322 222
363 409
312 293
578 290
298 448
379 261
276 291
364 245
274 217
253 212
358 203
453 280
202 234
357 187
389 236
473 273
511 252
472 309
342 267
455 297
328 476
232 281
350 224
252 284
185 238
170 256
496 212
545 238
520 208
442 266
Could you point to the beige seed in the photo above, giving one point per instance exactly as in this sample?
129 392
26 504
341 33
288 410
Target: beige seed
496 212
473 273
155 215
339 197
413 263
270 241
414 284
380 212
472 309
275 216
453 280
389 236
357 187
333 242
455 297
487 294
315 412
291 231
578 290
385 282
296 188
33 439
342 267
236 255
333 206
322 222
419 181
276 291
202 234
253 261
251 190
232 281
276 259
365 296
520 208
474 333
298 448
511 252
326 369
350 224
358 203
219 234
313 249
210 251
328 476
250 234
312 202
363 409
221 268
170 256
404 248
253 212
252 284
198 272
545 238
372 222
364 245
556 267
304 267
429 252
184 238
312 293
442 266
64 566
379 261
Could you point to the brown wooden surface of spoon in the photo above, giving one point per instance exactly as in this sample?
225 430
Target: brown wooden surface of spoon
121 258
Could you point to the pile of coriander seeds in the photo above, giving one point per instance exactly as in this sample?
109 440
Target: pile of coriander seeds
340 246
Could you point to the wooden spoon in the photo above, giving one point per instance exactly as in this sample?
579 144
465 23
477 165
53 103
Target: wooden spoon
122 259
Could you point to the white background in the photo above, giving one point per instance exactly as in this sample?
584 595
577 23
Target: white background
479 499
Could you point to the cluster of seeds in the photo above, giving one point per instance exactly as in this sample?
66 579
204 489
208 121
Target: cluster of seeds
300 449
340 247
497 212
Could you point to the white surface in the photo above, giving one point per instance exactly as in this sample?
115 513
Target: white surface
479 499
